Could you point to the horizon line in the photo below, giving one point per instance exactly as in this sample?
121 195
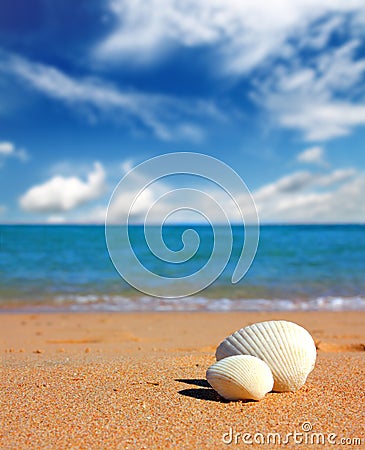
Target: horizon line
180 224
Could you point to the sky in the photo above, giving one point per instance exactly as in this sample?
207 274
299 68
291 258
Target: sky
89 89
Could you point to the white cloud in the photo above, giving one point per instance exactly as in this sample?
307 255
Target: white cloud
316 96
56 219
301 197
246 34
173 206
169 118
84 215
288 183
312 155
8 149
337 176
326 120
61 194
126 166
173 199
336 197
320 94
96 214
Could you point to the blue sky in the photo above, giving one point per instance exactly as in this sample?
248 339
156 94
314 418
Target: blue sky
91 88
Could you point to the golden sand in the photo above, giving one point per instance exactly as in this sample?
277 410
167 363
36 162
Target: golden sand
135 381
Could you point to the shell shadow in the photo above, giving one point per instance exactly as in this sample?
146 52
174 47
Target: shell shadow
204 393
196 382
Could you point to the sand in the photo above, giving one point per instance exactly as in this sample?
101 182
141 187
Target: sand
135 381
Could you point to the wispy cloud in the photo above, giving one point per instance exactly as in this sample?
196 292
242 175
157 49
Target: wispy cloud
282 45
313 155
304 79
56 219
60 193
9 150
167 117
246 34
319 198
323 98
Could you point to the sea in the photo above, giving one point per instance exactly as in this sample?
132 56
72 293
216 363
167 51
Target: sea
68 268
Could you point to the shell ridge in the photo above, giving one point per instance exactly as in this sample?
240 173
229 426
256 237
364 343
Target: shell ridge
226 348
287 364
247 342
251 346
252 333
274 355
280 366
246 338
227 383
241 342
230 372
244 346
240 377
286 359
295 366
304 343
235 341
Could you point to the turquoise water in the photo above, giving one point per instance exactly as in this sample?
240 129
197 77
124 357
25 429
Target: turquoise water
296 267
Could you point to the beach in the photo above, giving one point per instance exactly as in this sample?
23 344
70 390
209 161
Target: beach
137 380
173 172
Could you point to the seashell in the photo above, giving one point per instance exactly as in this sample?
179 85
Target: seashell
240 377
287 348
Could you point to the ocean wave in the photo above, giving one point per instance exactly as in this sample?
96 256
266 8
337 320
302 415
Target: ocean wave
200 303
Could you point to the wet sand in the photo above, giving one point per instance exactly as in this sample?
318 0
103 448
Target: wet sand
123 380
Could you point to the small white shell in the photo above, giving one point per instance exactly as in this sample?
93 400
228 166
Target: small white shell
241 377
287 348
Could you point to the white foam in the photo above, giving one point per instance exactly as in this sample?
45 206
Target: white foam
200 303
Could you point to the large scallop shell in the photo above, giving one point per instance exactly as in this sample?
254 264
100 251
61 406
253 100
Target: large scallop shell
241 377
287 348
